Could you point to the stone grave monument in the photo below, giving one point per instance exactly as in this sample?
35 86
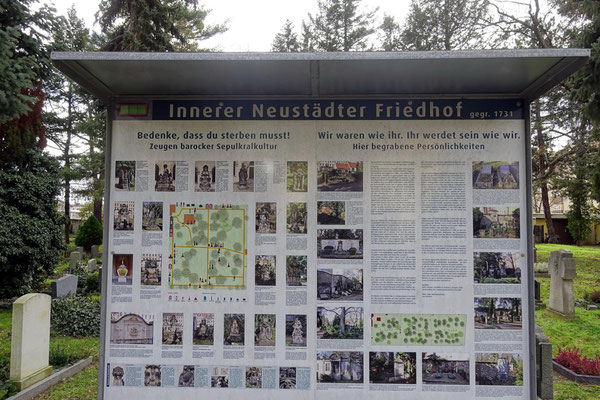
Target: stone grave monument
92 265
561 267
95 251
64 286
29 350
74 260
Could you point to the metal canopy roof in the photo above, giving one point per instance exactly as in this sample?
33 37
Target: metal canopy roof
500 73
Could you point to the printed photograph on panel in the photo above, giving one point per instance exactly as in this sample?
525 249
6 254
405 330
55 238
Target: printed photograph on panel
172 329
340 243
265 271
117 375
186 376
219 377
152 375
164 176
340 176
151 269
152 216
233 332
501 369
492 267
243 176
254 377
339 284
266 217
205 176
295 330
123 215
297 176
340 323
131 328
498 313
264 329
391 329
339 367
122 270
125 176
393 368
496 222
287 378
445 368
331 212
495 175
295 267
203 329
296 218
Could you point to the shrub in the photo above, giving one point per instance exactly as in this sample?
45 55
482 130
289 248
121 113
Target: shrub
92 282
75 316
573 360
31 237
89 234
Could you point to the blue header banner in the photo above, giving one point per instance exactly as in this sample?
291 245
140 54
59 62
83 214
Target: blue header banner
328 109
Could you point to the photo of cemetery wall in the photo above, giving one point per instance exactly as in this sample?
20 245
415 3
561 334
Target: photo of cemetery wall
295 267
502 369
265 270
125 176
445 368
498 313
339 284
130 328
496 222
393 368
340 243
331 212
495 175
340 323
418 329
339 367
340 176
490 267
203 329
295 330
297 176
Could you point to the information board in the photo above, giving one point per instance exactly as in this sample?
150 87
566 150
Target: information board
317 249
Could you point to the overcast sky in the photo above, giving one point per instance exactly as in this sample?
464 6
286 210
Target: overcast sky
252 24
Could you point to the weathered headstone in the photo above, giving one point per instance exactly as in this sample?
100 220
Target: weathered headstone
543 367
538 296
74 260
92 265
79 249
534 254
64 286
29 350
95 251
561 267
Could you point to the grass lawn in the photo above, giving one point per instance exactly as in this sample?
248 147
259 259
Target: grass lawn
584 332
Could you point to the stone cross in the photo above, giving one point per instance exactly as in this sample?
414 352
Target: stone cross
29 350
74 260
561 267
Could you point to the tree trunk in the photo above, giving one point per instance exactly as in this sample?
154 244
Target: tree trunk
67 157
552 236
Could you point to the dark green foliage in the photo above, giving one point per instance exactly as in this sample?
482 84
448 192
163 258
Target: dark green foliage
89 234
75 316
92 282
286 40
58 356
30 232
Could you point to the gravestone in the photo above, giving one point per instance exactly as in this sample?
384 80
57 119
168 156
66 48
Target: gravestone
64 286
92 265
74 260
561 267
79 249
95 251
539 304
29 350
534 254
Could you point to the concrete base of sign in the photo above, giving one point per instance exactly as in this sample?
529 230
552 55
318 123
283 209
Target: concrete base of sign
567 317
33 378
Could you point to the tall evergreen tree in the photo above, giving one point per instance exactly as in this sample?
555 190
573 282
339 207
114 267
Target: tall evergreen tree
445 25
340 25
286 41
154 25
390 34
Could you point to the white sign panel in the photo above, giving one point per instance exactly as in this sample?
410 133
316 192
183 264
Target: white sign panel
317 250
